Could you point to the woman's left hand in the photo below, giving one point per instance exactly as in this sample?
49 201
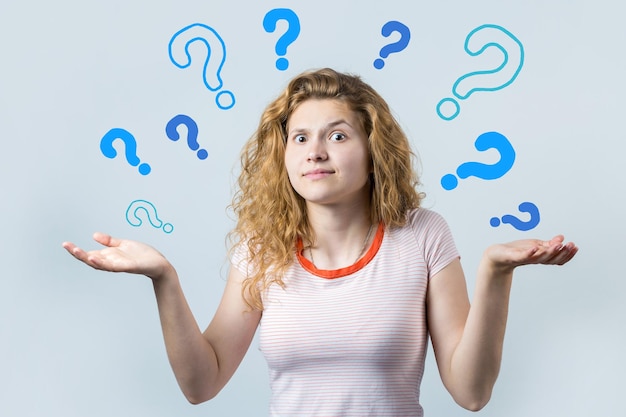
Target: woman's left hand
531 251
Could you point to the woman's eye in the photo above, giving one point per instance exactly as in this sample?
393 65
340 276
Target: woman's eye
299 139
337 136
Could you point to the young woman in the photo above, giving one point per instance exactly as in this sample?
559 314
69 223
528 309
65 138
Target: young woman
336 263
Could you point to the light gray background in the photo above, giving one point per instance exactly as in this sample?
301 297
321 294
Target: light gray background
78 342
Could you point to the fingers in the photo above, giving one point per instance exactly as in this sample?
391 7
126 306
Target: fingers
82 255
558 253
76 252
102 238
566 253
117 255
72 248
557 240
105 239
68 246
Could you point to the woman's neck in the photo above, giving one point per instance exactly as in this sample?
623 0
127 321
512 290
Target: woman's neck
342 235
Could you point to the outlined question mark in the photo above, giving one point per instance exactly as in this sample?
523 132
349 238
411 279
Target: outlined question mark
387 29
142 206
486 141
130 148
511 69
178 49
525 207
293 30
192 133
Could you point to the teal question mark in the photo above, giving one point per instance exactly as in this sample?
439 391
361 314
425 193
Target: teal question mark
444 113
178 50
142 206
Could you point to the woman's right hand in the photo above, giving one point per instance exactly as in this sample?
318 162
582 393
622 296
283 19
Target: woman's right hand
120 255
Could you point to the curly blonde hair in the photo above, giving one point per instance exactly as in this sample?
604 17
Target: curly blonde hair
271 215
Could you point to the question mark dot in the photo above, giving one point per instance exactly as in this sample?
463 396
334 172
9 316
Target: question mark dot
282 64
168 228
144 169
227 103
449 182
494 222
202 154
379 63
448 109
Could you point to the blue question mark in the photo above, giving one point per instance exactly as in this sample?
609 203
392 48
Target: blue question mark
293 30
192 133
513 68
142 206
216 56
525 207
486 141
130 148
387 29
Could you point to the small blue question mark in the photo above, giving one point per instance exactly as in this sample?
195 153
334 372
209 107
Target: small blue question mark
486 74
486 141
387 29
192 133
130 148
525 207
216 56
293 30
142 206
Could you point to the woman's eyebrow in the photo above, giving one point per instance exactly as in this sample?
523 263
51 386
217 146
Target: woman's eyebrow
328 126
337 123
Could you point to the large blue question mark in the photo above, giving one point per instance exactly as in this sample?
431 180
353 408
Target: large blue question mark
293 30
130 148
486 141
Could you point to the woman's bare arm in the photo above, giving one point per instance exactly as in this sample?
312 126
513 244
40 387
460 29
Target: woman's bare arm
468 339
202 362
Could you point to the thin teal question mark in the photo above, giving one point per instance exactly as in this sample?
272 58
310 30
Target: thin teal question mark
505 62
214 61
142 206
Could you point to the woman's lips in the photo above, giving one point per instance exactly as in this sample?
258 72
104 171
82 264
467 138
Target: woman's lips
316 174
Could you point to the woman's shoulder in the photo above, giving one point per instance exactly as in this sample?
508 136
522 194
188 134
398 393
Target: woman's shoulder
423 216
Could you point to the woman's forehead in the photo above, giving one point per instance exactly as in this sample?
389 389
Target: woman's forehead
326 109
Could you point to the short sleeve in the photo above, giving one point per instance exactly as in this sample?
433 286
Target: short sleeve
435 238
240 258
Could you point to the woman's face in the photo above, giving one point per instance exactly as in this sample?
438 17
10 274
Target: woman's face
326 154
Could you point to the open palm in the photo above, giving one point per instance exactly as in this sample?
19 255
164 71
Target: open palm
532 251
120 255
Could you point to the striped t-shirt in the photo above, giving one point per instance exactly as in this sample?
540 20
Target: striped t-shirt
352 342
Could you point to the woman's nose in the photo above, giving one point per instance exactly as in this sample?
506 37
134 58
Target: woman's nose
317 150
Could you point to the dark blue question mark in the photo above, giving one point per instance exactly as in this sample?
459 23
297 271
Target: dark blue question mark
192 133
525 207
387 29
130 149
